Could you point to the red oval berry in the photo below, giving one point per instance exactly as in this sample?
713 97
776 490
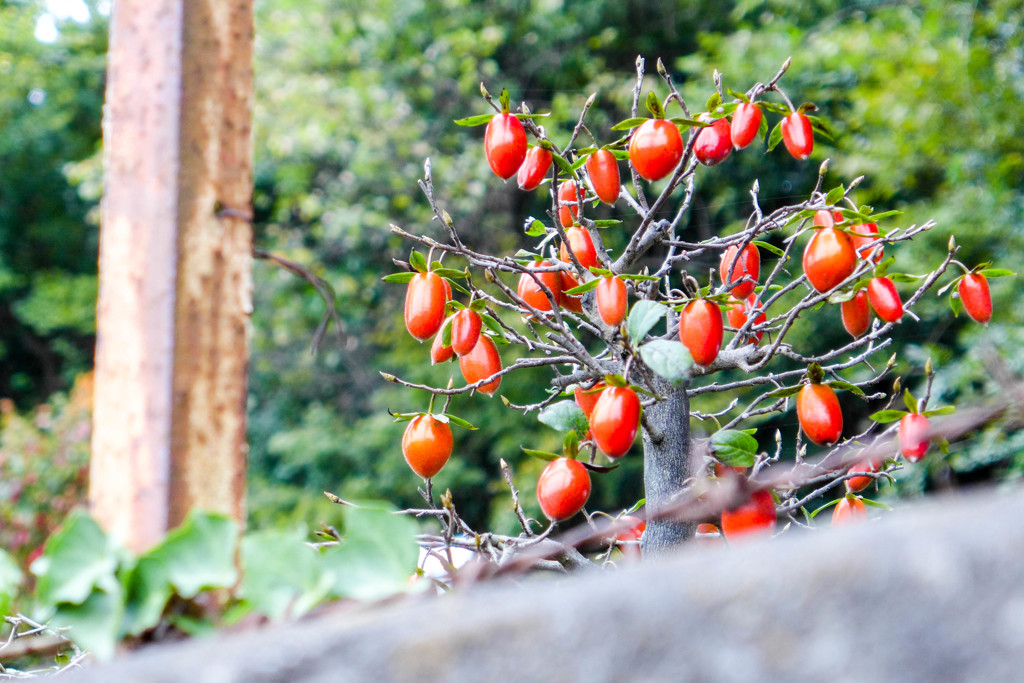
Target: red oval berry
427 445
569 200
627 540
529 290
586 399
603 169
913 436
701 329
480 363
829 258
439 353
827 219
713 143
755 517
856 314
655 149
425 301
581 244
820 416
746 263
466 326
855 484
885 299
849 509
976 298
570 302
611 300
505 145
563 488
866 233
614 420
738 313
798 135
534 169
746 121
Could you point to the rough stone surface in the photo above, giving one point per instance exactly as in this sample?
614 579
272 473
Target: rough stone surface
933 592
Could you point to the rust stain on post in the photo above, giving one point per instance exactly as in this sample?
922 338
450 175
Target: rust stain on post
175 291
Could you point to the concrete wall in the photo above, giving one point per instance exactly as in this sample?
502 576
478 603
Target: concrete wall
930 592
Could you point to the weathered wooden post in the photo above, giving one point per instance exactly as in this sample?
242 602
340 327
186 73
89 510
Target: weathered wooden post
175 266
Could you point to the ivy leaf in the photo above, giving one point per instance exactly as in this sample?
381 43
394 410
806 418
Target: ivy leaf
642 318
734 448
77 558
669 359
282 576
887 416
378 555
564 416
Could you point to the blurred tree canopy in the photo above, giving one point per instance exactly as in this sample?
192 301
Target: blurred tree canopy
352 97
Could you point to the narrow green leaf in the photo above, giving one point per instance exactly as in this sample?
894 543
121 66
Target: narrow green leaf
642 318
491 324
996 272
875 504
835 195
904 277
769 248
541 455
909 401
713 101
784 392
472 121
562 164
742 97
449 273
609 223
638 278
418 263
400 278
956 304
693 123
654 106
776 137
455 420
945 410
629 123
668 359
852 388
601 469
887 416
824 507
585 287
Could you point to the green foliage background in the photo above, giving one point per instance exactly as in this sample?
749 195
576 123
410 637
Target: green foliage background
352 97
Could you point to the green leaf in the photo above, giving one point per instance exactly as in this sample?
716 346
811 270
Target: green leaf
93 624
400 278
784 391
714 101
668 359
769 247
608 223
638 278
654 106
571 444
585 287
146 591
852 388
629 123
945 410
449 273
642 318
904 277
956 304
909 401
281 575
734 448
378 554
536 229
824 507
875 504
418 263
875 217
472 121
776 137
599 468
742 97
822 127
458 421
10 581
835 195
199 554
564 416
491 324
541 455
887 416
693 123
562 164
77 558
996 272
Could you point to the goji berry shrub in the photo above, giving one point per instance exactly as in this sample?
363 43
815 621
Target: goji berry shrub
642 336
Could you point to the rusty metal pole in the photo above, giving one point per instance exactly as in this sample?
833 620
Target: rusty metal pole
175 267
